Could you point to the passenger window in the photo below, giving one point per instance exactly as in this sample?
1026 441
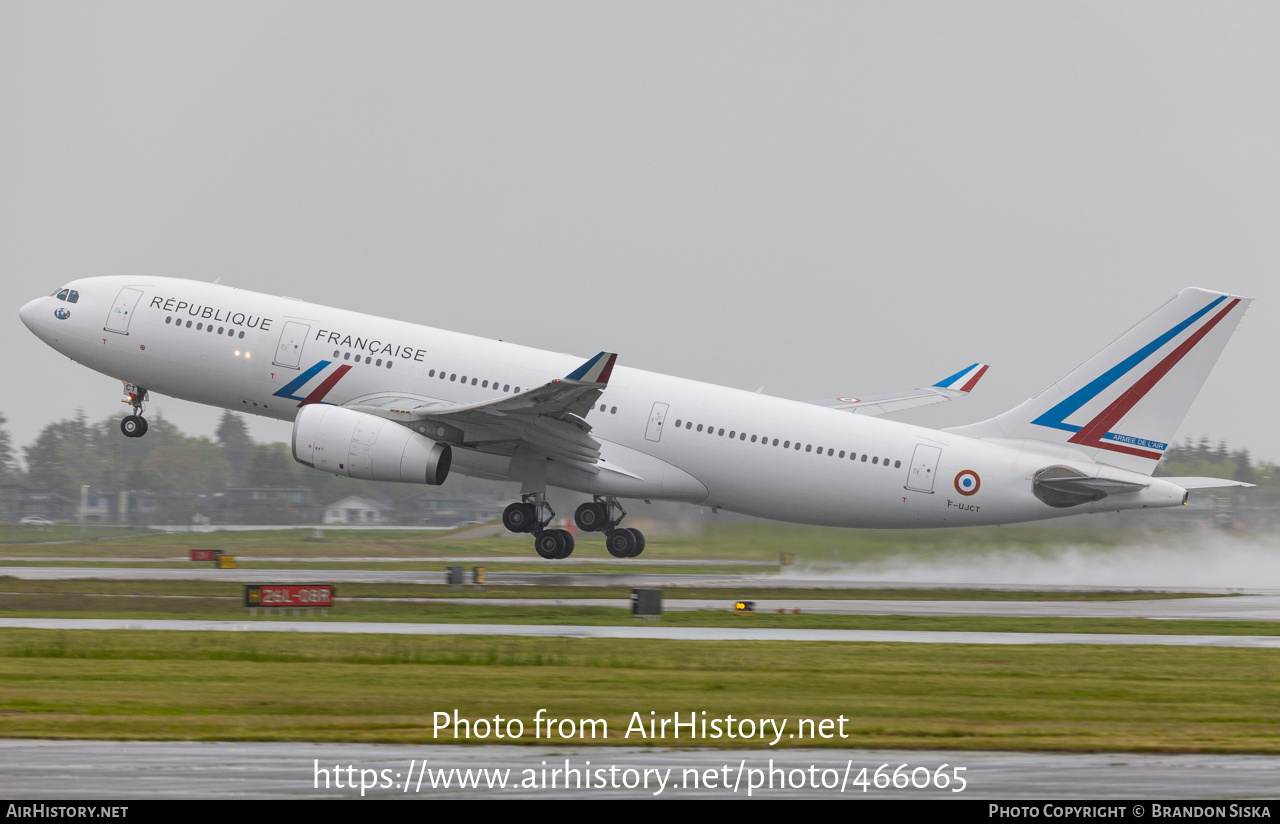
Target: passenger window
743 436
169 319
864 457
242 333
897 464
613 410
431 374
699 427
346 356
188 324
721 433
753 438
797 446
454 376
73 297
388 364
875 460
786 444
678 422
841 453
775 441
809 448
831 452
733 433
464 378
473 381
517 390
199 326
221 329
689 425
506 387
379 363
484 385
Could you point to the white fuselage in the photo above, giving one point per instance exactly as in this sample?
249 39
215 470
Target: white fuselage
714 446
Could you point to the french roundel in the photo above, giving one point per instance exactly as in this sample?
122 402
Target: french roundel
967 482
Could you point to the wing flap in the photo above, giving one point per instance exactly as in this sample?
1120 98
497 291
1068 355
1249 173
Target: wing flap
550 418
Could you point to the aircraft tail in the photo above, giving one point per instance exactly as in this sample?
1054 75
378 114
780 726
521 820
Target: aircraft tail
1122 406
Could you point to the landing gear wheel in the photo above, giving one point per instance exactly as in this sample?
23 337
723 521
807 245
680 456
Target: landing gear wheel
133 426
550 543
519 517
639 542
568 544
590 517
620 542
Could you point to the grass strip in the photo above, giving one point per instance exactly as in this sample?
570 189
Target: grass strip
222 686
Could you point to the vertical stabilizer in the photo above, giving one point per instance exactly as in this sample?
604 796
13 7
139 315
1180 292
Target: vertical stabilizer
1122 406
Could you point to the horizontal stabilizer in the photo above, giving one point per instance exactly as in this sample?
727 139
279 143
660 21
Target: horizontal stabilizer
1204 483
949 388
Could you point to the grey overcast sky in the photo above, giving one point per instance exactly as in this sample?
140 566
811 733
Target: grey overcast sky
820 198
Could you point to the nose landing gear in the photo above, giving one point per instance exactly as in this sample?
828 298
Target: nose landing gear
134 426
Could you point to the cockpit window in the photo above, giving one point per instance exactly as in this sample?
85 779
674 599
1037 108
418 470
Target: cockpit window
73 296
62 295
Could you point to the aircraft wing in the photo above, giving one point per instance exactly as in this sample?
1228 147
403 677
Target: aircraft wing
955 386
551 418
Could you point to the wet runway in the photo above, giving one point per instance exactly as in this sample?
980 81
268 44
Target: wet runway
54 770
650 631
568 579
1242 608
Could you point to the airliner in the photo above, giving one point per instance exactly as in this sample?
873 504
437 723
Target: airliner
385 400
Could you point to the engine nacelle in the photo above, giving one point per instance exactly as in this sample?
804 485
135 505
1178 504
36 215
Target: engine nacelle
359 445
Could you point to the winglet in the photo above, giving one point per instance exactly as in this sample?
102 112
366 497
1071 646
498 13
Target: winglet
965 379
596 370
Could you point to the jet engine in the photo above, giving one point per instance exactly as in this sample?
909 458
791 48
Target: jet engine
359 445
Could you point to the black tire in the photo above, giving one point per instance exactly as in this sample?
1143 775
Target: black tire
568 543
639 542
519 517
549 544
590 517
144 428
131 426
620 542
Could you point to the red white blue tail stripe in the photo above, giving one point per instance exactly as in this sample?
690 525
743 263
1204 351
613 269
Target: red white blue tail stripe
1096 432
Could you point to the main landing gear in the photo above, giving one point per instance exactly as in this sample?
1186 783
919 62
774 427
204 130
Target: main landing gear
134 426
533 514
604 515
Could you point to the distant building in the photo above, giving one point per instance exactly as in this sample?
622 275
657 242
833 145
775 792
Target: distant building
263 505
354 509
431 509
18 502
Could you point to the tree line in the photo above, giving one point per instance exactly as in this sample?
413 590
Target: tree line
76 451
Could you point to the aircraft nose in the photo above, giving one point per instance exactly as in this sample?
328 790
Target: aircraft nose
28 312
